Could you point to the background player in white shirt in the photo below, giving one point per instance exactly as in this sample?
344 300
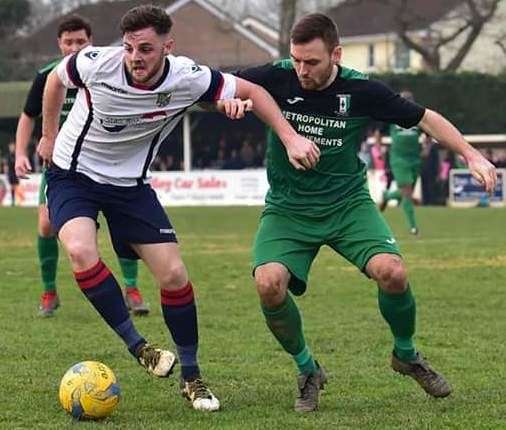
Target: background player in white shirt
127 102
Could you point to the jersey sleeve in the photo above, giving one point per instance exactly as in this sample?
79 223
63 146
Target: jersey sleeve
33 104
390 107
215 85
76 70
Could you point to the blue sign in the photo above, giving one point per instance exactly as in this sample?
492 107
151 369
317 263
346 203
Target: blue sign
466 189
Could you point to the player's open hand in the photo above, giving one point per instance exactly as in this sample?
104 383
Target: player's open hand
235 108
45 150
22 166
482 170
302 153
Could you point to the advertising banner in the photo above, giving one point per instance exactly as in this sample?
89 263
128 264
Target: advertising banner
26 193
466 191
211 187
195 188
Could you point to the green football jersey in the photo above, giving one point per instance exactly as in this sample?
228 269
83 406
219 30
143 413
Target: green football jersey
405 145
33 104
335 118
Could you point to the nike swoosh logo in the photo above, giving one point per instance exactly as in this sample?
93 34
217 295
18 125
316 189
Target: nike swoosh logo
294 100
391 241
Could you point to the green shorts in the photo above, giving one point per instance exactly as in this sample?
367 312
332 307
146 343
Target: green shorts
405 173
42 188
355 230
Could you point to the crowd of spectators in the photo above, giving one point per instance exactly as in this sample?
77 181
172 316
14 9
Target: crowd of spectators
217 143
226 153
230 151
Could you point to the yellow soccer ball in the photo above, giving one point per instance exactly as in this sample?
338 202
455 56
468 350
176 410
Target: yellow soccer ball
89 390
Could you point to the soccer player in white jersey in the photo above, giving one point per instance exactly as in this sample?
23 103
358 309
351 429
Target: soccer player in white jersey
129 100
74 33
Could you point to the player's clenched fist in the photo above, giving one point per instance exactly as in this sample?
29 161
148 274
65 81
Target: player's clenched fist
45 149
22 166
482 170
302 153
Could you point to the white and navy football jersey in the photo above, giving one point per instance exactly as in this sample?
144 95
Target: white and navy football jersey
115 127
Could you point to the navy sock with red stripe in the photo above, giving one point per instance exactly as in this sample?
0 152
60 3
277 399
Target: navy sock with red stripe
180 315
102 290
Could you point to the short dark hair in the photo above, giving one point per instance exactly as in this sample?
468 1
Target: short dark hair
315 26
74 23
145 16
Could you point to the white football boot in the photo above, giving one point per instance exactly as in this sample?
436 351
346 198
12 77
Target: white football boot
158 362
201 397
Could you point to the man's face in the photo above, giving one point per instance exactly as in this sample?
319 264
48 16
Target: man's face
313 63
71 42
145 53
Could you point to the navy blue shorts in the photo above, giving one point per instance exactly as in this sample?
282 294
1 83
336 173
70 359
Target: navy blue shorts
133 214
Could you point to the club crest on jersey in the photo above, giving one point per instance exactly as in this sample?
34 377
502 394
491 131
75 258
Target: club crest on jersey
163 99
343 104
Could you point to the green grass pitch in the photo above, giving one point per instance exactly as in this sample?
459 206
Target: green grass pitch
457 268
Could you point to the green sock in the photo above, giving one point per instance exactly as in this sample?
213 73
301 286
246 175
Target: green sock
409 210
129 269
47 248
392 195
399 311
285 324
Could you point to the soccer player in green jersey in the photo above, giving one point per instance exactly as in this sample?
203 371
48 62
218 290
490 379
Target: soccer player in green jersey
405 162
74 33
329 204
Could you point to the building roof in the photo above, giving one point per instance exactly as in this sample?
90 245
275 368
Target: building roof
262 29
201 31
210 36
372 17
104 17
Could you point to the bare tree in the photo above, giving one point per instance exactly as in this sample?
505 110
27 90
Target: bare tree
499 35
289 11
287 14
501 43
13 14
465 25
45 11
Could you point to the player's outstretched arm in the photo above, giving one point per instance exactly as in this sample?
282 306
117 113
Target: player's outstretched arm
302 153
54 96
23 133
446 134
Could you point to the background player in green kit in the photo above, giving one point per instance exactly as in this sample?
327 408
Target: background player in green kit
405 163
74 33
327 202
